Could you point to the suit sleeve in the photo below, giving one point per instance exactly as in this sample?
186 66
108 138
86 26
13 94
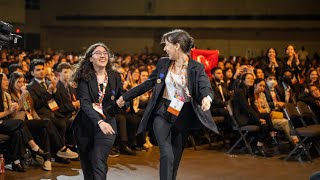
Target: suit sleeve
39 101
241 102
86 102
204 84
64 106
145 86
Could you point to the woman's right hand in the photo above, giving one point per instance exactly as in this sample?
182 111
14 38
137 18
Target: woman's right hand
106 128
120 102
14 107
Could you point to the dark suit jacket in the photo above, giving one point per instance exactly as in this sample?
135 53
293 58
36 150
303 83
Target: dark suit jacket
244 109
199 87
40 97
64 102
279 95
218 100
87 118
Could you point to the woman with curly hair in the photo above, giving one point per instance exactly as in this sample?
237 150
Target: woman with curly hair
95 126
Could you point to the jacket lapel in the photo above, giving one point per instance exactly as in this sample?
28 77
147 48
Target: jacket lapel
93 88
161 77
191 74
112 83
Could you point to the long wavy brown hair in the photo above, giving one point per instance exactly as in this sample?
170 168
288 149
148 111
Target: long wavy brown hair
84 69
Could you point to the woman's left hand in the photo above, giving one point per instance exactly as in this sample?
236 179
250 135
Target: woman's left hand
205 104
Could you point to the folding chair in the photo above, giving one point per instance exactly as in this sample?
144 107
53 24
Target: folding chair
243 130
302 131
306 113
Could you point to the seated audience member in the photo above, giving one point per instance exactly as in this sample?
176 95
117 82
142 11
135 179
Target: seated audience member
245 113
221 93
287 88
67 101
42 94
44 129
228 77
16 129
263 107
313 100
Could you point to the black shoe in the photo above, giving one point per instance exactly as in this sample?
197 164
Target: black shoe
261 152
42 153
128 151
62 160
18 167
114 153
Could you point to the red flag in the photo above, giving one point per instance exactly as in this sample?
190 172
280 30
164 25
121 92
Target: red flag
207 57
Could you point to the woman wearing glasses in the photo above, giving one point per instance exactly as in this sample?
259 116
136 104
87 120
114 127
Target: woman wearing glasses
95 126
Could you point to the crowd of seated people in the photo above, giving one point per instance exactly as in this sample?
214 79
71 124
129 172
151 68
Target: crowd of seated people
40 102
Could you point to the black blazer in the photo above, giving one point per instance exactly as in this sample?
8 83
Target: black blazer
245 110
199 87
218 100
64 102
87 91
40 97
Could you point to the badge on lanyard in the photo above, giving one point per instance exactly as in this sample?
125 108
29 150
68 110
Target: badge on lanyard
29 115
53 105
176 105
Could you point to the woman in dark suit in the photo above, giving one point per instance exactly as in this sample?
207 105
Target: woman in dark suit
180 79
95 125
247 113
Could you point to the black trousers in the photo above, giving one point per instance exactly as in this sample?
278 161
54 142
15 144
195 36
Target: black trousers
12 128
50 139
94 151
171 143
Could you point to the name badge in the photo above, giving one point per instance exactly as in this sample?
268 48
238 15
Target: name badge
53 105
175 106
29 115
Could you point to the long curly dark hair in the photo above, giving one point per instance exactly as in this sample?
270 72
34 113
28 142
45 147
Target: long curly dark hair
84 69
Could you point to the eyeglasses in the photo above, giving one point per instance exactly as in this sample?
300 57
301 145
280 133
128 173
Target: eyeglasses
98 53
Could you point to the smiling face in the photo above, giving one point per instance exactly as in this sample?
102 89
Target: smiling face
249 80
290 51
314 91
99 57
171 49
314 76
271 53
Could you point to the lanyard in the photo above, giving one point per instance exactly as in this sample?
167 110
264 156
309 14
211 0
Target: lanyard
26 105
102 88
183 78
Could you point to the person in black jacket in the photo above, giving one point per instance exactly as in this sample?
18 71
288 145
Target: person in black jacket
67 101
177 80
98 86
246 113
